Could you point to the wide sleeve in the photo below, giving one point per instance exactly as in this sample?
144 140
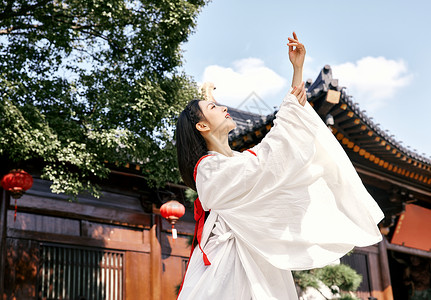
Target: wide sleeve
299 203
282 154
291 139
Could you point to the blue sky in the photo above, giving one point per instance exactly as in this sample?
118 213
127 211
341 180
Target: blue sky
379 50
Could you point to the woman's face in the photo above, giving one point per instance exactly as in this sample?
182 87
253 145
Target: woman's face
217 118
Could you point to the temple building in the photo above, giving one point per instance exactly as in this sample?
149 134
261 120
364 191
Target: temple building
119 247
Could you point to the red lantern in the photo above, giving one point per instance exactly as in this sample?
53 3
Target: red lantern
16 183
172 211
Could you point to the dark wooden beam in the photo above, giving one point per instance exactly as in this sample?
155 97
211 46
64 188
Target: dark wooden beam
407 250
353 121
384 270
324 105
76 240
59 208
357 130
338 109
342 116
422 193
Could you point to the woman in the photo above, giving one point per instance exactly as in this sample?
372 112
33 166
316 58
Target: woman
292 202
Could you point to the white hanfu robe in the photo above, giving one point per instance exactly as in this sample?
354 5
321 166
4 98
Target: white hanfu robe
297 204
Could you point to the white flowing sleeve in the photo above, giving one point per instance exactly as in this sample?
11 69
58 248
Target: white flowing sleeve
298 203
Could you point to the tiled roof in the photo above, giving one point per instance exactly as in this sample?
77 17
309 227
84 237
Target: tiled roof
364 141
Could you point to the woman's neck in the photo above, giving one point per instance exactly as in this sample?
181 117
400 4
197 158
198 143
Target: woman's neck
219 144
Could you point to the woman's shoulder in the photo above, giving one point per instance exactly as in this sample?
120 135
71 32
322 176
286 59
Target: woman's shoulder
214 160
246 152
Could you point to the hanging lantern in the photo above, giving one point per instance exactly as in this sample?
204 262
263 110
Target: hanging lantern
172 211
16 183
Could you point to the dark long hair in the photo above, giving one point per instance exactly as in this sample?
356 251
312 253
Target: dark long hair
190 143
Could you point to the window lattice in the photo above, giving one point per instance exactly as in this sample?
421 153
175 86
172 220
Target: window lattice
80 273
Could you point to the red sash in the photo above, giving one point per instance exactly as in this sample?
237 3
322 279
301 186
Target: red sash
199 215
200 221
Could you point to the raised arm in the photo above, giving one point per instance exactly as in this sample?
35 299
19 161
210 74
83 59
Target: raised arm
296 57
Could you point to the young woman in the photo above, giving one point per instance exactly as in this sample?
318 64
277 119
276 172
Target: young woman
292 202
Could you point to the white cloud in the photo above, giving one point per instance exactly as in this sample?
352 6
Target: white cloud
236 83
373 81
311 69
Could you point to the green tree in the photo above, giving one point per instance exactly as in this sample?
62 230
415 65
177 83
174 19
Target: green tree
342 276
338 278
85 82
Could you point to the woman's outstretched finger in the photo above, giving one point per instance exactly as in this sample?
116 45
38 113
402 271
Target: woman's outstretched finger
302 100
305 97
301 95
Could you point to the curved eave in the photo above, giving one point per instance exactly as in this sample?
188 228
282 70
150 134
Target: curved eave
363 140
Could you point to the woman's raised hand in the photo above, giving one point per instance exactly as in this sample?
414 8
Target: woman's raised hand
300 94
296 55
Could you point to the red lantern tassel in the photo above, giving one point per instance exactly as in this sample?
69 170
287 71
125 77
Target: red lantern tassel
174 233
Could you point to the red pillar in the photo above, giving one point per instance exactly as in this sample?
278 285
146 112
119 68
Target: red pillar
156 259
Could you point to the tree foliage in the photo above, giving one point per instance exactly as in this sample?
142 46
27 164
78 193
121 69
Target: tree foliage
337 278
305 279
84 82
342 276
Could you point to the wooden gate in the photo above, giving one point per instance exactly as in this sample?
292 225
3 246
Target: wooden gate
68 272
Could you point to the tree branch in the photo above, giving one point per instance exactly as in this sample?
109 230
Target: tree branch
90 54
9 13
10 29
103 37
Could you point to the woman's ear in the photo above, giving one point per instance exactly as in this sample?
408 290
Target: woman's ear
202 127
